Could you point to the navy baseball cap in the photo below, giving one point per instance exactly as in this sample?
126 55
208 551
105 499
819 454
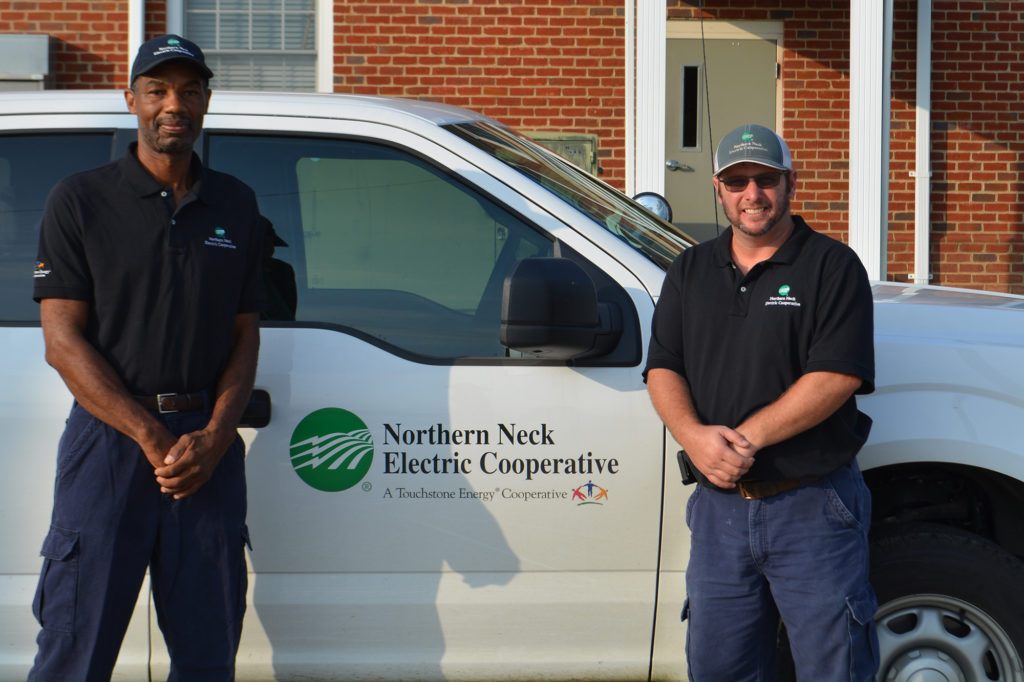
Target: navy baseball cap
166 48
752 143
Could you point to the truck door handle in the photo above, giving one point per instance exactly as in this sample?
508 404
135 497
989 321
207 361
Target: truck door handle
257 412
674 165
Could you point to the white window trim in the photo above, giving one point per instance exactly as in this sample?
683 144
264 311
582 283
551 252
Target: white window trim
324 38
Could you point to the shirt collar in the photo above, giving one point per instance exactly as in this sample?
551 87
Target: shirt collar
144 184
786 253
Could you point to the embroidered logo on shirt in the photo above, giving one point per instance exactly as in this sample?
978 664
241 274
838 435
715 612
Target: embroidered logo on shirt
40 270
783 298
220 239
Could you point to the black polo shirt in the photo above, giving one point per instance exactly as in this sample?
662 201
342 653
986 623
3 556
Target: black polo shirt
164 283
741 341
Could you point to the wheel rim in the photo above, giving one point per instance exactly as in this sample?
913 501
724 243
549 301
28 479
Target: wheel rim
936 638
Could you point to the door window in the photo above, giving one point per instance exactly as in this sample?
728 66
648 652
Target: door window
30 165
689 107
381 241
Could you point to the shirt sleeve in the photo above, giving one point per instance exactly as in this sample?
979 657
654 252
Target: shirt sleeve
62 269
844 333
666 347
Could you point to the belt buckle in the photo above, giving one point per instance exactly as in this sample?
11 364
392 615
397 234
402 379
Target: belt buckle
160 403
745 493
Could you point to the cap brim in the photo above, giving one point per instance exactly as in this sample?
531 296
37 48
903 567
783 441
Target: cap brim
203 69
767 164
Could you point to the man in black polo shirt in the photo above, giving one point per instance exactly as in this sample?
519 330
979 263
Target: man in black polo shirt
759 342
149 286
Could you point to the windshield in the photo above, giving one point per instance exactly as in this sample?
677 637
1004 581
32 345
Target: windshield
660 241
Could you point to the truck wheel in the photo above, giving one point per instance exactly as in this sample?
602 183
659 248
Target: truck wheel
950 606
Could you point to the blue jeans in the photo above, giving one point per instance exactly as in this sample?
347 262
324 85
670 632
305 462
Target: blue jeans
801 555
110 522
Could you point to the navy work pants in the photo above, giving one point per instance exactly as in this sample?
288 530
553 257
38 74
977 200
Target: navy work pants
803 555
110 523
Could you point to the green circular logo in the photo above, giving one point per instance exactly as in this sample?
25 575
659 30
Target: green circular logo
173 41
784 290
331 449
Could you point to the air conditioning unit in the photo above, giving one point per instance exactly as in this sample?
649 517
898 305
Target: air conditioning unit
25 62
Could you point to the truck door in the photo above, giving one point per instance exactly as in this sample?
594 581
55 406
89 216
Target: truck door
425 503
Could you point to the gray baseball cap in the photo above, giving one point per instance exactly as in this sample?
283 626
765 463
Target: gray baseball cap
752 143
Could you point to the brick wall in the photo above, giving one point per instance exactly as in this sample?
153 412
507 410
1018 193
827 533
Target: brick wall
816 97
978 176
977 173
559 65
89 37
552 65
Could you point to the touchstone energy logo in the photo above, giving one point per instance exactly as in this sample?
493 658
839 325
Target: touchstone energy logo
589 493
331 449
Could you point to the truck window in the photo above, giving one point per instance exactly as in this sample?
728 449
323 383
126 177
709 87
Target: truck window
30 165
383 242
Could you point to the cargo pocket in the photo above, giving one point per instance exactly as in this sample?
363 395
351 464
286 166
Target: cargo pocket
685 616
863 638
57 592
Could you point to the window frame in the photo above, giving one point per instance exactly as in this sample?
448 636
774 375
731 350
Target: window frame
629 350
691 103
203 148
324 39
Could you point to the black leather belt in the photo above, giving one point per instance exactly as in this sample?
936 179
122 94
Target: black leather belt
758 490
165 403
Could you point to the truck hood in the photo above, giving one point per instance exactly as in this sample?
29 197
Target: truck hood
953 315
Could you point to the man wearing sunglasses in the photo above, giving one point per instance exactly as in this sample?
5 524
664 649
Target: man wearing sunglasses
760 340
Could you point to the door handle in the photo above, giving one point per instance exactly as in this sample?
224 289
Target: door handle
674 165
257 412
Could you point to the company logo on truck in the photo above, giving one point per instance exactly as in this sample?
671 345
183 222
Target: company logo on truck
589 493
331 449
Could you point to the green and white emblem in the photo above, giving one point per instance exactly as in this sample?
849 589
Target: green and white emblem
331 449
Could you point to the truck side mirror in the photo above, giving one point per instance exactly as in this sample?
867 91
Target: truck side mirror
549 309
655 203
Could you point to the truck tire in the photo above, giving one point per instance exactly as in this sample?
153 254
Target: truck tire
950 605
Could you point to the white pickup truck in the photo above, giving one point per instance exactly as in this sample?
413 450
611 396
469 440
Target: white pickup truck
454 468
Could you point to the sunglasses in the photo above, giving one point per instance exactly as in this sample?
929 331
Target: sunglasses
738 183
